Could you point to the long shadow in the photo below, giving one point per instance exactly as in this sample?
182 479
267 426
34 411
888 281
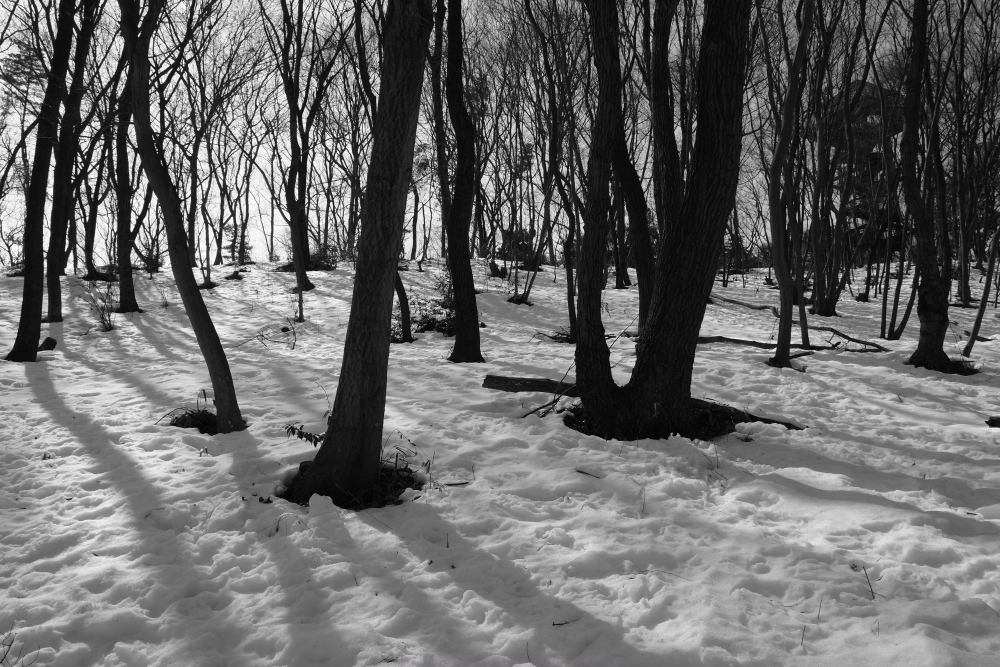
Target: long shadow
155 336
560 632
880 361
962 526
120 374
777 454
912 409
141 497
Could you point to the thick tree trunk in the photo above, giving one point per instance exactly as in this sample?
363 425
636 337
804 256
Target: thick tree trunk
136 42
466 348
30 326
932 293
657 399
346 467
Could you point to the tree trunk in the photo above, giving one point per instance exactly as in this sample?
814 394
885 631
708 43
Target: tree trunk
346 467
136 43
778 199
65 158
466 348
123 193
932 293
404 310
30 325
967 351
657 399
440 136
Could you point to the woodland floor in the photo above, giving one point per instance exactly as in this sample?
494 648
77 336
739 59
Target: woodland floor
124 541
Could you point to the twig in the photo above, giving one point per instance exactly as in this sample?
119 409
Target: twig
865 569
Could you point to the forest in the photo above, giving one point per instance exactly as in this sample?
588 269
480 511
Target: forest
499 332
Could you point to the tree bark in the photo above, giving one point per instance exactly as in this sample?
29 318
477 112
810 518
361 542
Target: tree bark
466 349
657 399
123 193
136 40
440 134
778 198
30 326
346 467
65 157
985 299
404 310
932 293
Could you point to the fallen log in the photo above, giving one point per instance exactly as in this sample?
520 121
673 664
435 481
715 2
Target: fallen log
853 340
516 384
740 303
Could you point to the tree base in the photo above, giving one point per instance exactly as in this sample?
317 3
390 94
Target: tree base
393 479
704 421
941 363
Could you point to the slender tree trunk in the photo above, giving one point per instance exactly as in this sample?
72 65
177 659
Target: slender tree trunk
466 348
416 207
346 467
30 326
65 158
123 193
777 199
136 42
984 301
440 135
404 309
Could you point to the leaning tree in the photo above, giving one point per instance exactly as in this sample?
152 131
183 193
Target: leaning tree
136 36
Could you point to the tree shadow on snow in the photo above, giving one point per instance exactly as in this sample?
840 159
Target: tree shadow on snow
171 575
538 627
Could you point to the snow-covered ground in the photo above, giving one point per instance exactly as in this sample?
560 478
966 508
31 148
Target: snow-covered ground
125 541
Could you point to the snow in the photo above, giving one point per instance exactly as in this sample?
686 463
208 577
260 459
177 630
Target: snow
126 542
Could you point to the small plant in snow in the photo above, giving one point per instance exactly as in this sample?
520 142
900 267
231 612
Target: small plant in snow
102 301
12 655
297 431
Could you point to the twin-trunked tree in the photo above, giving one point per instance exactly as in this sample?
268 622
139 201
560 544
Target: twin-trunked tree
657 398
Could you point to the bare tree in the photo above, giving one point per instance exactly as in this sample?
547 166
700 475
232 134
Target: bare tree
306 43
136 37
29 327
466 349
657 399
346 467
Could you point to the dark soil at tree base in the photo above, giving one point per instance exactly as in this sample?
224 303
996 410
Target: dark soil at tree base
707 421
